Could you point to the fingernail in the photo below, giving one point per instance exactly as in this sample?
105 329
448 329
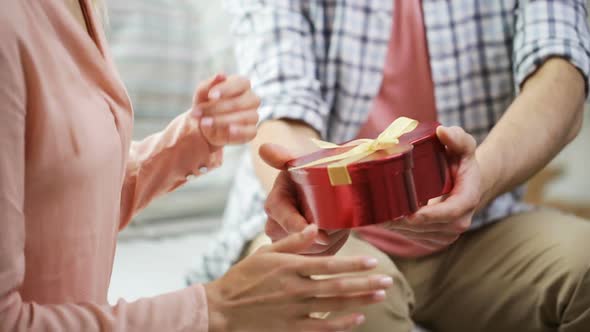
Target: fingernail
385 281
206 121
233 130
360 319
322 240
370 262
214 94
379 295
310 229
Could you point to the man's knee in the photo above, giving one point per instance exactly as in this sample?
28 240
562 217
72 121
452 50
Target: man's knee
566 243
357 247
567 270
573 283
395 311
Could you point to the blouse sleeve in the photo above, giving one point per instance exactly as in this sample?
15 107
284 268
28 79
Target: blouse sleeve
163 161
184 310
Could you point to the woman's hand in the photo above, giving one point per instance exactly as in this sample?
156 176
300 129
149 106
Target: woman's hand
226 109
284 217
440 223
273 290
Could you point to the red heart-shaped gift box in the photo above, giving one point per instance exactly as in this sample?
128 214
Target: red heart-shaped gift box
385 186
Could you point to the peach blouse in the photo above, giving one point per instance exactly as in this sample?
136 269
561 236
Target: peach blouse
70 178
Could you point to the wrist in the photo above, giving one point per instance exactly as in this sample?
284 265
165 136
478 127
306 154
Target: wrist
217 317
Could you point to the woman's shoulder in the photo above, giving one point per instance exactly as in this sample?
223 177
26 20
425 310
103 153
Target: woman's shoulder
13 19
21 27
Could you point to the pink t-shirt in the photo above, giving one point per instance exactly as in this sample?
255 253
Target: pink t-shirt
406 90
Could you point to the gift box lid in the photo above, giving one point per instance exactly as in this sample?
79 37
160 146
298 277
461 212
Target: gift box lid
398 158
394 156
425 131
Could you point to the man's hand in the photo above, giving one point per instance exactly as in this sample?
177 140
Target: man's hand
440 223
434 226
284 217
226 108
545 116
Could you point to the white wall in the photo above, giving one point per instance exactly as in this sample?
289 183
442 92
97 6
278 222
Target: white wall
574 185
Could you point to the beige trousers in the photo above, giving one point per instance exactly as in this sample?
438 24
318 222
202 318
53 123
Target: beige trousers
530 272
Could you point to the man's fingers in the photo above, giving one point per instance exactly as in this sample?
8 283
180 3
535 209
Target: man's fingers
281 206
275 155
296 242
325 239
428 244
233 86
334 247
329 238
458 142
463 199
435 238
274 231
326 250
445 212
310 266
323 242
420 228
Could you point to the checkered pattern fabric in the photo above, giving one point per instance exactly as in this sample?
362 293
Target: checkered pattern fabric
321 61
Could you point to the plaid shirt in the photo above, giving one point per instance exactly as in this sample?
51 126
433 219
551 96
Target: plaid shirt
321 62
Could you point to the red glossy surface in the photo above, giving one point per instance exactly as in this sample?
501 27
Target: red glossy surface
387 185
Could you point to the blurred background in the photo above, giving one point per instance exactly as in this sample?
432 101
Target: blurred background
163 48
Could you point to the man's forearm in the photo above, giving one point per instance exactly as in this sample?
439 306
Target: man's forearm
544 118
293 135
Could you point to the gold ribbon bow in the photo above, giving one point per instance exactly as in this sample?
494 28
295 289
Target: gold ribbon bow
338 171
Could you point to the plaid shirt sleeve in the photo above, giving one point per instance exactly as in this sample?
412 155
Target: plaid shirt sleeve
547 28
274 46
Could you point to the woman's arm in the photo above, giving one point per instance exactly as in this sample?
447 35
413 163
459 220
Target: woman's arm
164 161
179 311
224 112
